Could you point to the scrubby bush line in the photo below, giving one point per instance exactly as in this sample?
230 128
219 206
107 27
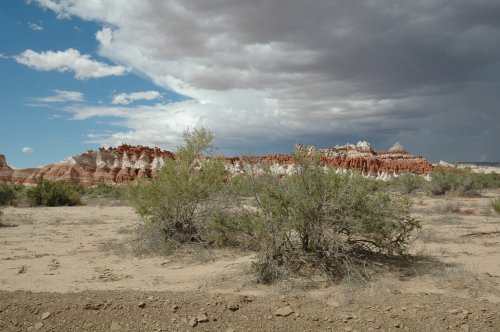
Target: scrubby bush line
407 183
454 181
106 190
49 193
447 181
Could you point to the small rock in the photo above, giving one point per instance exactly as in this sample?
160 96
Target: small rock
193 322
175 307
45 315
454 311
202 318
230 330
388 308
142 304
283 312
234 307
115 326
466 328
38 325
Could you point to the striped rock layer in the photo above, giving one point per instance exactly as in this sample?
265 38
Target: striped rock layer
127 163
112 165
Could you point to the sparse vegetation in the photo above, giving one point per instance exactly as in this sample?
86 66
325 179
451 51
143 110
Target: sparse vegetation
495 205
488 180
49 193
407 183
106 190
454 181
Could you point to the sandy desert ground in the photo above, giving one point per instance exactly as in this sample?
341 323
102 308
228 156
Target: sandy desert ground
74 269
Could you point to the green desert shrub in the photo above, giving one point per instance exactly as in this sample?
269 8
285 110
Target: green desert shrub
188 192
317 218
49 193
488 180
7 194
7 197
407 183
106 190
460 182
495 204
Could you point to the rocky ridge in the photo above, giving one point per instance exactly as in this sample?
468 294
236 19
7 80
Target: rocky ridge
362 157
126 163
112 165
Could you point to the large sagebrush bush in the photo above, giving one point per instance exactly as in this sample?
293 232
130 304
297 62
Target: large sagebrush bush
317 218
49 193
186 194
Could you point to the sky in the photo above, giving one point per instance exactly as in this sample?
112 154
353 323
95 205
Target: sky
263 75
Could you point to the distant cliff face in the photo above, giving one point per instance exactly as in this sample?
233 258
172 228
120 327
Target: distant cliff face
113 165
127 163
361 157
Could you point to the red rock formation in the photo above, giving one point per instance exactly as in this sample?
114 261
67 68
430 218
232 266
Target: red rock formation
5 170
359 157
112 165
126 163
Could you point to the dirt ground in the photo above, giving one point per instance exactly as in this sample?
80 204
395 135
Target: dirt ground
74 269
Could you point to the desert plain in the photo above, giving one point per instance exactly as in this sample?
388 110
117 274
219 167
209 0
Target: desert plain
78 268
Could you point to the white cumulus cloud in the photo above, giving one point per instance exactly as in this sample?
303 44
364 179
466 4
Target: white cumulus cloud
127 98
69 60
27 149
62 96
34 26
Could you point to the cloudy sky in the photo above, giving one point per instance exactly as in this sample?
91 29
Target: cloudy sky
263 75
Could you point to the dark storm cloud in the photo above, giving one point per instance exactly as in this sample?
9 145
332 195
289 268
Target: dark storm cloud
425 72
